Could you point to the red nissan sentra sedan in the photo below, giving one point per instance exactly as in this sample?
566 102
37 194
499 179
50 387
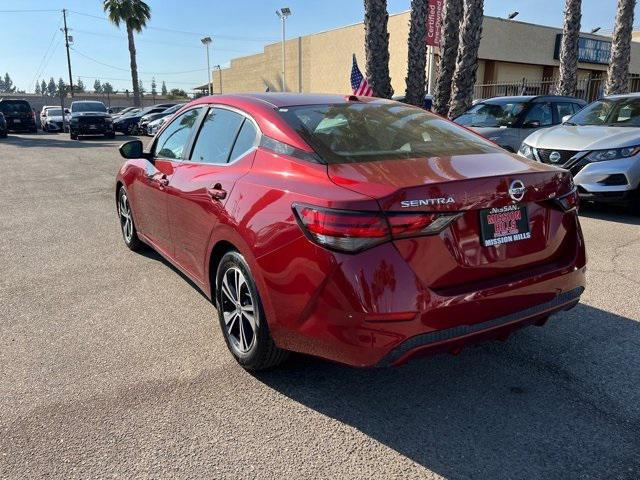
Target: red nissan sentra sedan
359 230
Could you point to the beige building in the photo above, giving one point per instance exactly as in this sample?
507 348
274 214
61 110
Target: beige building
510 51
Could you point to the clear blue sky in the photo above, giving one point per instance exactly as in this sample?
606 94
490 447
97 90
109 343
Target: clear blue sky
239 27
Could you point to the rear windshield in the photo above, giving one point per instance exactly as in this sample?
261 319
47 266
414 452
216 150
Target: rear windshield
361 132
14 107
88 107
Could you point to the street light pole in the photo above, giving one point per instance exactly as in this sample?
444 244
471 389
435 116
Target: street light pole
206 41
283 13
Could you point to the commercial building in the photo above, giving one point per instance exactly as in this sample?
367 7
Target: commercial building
514 53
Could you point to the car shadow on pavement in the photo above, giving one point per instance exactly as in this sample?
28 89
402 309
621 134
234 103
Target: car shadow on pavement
555 402
61 141
611 213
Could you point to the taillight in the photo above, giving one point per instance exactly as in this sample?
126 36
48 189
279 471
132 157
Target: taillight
569 201
353 231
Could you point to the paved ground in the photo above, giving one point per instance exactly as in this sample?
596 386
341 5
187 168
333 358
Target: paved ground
112 364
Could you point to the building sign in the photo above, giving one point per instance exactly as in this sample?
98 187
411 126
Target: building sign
590 50
434 26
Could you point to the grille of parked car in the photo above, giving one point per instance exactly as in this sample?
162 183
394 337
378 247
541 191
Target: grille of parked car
91 120
545 156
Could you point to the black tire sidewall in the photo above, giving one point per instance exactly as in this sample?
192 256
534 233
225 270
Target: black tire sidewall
135 242
251 359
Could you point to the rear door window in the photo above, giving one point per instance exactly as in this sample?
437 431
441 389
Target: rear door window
539 113
246 141
217 136
173 141
563 109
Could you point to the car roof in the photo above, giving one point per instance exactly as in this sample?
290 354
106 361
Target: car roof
279 99
623 95
532 98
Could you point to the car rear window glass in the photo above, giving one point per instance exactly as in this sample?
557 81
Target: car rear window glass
88 107
9 106
361 132
215 140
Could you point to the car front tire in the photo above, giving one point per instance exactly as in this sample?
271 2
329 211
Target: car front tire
127 225
73 136
242 318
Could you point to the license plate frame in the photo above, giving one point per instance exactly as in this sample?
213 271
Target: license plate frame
504 225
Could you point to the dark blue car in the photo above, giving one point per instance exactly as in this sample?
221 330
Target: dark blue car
129 124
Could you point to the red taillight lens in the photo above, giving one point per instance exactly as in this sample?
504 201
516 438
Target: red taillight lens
352 231
568 202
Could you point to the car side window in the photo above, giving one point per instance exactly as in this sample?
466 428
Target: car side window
577 107
247 139
564 109
541 113
175 138
215 140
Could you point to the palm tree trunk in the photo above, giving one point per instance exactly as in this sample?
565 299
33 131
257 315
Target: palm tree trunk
417 61
464 77
568 82
618 71
376 41
451 15
134 67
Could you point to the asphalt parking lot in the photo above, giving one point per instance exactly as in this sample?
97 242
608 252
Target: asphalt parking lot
112 364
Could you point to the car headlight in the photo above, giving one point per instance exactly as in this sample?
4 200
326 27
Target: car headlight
612 154
526 151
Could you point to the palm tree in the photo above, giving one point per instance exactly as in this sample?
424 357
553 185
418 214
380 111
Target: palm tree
376 41
134 14
464 77
417 61
618 72
568 81
451 15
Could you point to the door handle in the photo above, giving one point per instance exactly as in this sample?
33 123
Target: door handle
217 192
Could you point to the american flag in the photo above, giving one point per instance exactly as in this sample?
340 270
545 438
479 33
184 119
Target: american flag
359 83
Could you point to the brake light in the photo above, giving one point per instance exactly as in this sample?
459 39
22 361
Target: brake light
568 202
354 231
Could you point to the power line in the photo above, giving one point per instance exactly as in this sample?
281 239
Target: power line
34 10
40 68
94 77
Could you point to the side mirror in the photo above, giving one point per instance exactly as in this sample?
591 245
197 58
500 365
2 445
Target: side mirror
132 149
566 118
110 110
532 124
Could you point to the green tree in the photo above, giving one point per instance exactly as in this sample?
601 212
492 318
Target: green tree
51 87
97 86
38 90
177 93
417 59
141 88
163 89
134 14
79 86
451 16
568 81
43 87
6 86
618 71
61 88
464 77
154 87
107 88
376 43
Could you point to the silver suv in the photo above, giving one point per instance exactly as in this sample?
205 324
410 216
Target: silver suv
600 146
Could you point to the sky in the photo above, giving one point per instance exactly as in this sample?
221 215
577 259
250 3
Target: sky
170 49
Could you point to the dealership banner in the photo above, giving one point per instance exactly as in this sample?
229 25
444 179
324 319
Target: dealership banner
434 26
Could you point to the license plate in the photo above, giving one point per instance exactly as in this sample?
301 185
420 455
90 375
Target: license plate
504 225
17 120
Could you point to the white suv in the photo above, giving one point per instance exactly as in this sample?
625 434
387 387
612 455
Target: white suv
600 146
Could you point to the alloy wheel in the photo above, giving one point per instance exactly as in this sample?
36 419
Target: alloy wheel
238 310
126 222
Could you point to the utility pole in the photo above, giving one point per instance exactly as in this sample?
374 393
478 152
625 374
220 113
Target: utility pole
206 41
66 42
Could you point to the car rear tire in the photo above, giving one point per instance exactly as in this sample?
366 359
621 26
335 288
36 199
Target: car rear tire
242 318
127 226
73 136
111 135
634 203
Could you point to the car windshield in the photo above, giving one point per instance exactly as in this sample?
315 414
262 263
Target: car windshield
492 114
361 132
14 107
615 113
88 107
54 112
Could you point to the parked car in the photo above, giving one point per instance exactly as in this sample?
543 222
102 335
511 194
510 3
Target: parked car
600 146
150 117
90 118
129 124
507 121
52 120
124 111
155 126
43 112
114 110
427 105
360 230
19 115
3 126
